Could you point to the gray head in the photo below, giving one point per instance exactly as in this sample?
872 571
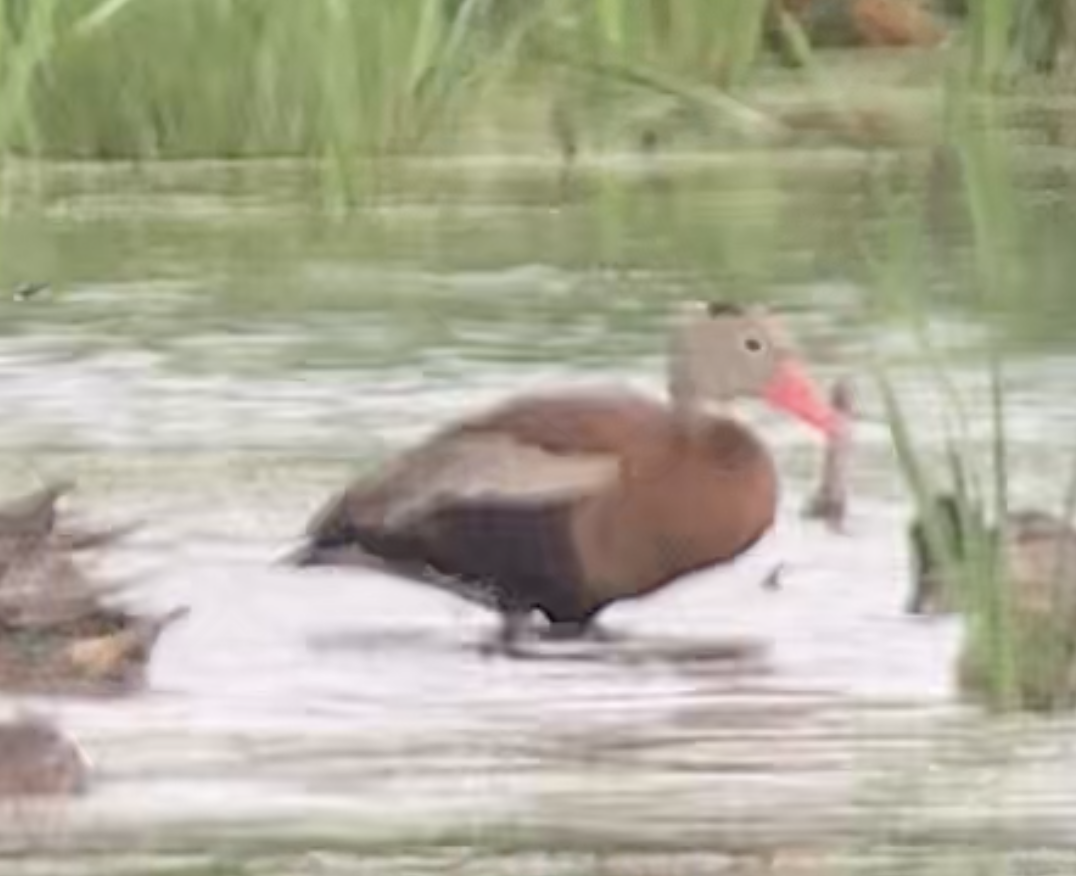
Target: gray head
723 352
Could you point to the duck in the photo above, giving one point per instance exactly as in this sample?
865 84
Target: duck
1028 539
1037 556
60 630
566 501
1037 560
829 501
37 758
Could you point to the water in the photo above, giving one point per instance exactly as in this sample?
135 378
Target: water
214 358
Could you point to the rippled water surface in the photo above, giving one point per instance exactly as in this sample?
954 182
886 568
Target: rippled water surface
214 358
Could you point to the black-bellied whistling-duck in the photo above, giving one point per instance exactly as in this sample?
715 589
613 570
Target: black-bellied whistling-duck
829 502
568 501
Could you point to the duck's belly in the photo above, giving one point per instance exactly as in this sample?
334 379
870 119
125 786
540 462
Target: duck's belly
522 552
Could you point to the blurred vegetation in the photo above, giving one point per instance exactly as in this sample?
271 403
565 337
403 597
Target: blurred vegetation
106 79
229 78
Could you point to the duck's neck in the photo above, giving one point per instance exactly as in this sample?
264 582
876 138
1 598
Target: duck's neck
690 410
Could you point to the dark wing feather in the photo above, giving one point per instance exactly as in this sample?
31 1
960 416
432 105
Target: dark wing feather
381 514
527 447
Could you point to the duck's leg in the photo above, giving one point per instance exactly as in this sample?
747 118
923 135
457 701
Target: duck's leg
514 623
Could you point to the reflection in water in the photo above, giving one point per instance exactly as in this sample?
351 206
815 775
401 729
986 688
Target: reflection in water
220 396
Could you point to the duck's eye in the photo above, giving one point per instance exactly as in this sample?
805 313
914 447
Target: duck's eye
752 345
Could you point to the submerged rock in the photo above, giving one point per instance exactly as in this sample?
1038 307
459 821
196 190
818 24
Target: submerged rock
39 759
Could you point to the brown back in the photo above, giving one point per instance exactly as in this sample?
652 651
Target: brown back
588 421
37 758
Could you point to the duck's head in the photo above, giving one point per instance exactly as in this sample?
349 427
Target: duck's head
724 352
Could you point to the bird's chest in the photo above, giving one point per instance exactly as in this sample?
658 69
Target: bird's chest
686 523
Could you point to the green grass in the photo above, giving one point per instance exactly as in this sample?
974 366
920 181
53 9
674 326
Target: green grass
234 78
1005 273
325 79
335 78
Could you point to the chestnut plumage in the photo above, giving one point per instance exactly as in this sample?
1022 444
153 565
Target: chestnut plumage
570 500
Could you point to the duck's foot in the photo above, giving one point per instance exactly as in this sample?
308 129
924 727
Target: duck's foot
578 631
516 629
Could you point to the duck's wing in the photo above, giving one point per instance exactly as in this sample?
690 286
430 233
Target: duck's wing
353 556
478 468
526 449
494 468
540 447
